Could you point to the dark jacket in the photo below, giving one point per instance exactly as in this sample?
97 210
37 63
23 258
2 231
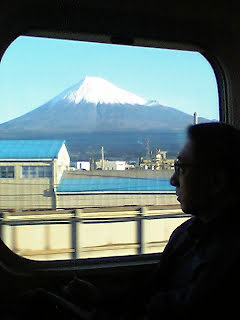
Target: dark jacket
199 270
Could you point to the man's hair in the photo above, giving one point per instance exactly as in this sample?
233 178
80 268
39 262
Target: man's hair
217 146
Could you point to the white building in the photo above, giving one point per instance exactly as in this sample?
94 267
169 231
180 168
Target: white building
110 165
83 165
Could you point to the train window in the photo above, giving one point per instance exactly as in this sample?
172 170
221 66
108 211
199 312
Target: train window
89 133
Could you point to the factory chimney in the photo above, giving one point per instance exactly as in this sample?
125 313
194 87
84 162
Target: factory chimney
102 151
195 118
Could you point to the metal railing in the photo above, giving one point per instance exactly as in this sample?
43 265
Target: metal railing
75 217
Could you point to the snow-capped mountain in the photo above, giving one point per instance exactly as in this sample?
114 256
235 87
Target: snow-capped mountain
152 103
95 104
98 90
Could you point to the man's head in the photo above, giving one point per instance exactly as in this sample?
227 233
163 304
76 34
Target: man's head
207 171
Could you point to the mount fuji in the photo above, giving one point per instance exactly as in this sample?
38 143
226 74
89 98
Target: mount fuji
96 105
97 90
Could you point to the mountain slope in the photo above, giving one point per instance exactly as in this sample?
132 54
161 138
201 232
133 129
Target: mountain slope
95 104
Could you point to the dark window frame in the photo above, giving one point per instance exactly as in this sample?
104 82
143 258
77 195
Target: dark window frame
135 259
7 172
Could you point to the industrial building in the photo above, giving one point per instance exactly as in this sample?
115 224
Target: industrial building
157 162
110 165
34 174
82 165
105 164
30 170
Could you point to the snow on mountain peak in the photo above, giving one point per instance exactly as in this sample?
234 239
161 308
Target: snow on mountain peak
153 103
97 90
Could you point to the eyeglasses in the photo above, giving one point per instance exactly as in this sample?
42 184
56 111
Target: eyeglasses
178 166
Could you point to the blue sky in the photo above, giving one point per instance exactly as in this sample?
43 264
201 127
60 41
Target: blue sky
34 70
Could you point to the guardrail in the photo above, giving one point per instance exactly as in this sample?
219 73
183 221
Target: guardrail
75 217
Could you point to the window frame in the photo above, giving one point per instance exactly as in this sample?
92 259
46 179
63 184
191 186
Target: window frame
7 171
47 170
225 115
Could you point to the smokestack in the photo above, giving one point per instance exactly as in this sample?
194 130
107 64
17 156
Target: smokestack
195 118
102 152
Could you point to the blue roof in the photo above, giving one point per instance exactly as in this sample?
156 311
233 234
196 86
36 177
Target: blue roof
114 184
30 149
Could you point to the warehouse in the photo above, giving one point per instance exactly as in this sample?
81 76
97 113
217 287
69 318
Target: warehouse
34 174
30 171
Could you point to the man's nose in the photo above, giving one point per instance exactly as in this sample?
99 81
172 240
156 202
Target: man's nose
174 180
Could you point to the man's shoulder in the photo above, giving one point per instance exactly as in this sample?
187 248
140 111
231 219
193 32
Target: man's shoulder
182 228
179 235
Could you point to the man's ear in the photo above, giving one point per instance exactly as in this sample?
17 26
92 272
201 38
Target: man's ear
218 181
